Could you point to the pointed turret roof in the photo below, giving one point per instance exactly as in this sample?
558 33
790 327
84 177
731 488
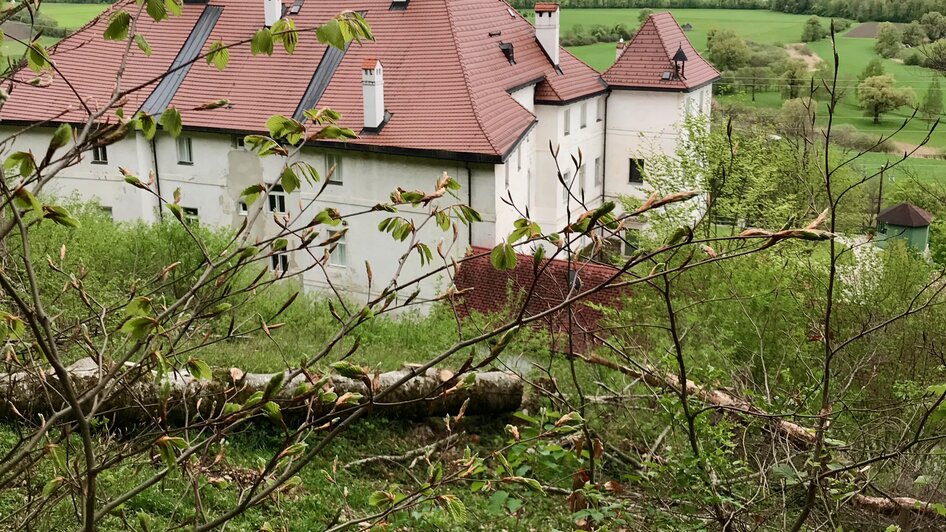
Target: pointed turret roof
651 53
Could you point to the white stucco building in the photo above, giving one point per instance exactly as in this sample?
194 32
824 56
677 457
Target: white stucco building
467 87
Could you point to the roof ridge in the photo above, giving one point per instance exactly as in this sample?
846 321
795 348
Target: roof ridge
660 37
466 77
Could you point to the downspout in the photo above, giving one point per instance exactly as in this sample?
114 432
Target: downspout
469 202
157 178
604 154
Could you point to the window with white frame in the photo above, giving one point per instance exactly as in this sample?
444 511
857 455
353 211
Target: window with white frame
568 122
333 166
185 150
190 215
99 155
631 241
597 171
584 115
279 262
568 183
242 208
339 256
601 104
277 200
238 142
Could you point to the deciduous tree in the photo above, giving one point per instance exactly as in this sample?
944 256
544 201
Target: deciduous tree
880 94
889 40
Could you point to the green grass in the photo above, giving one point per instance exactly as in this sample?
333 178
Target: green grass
72 15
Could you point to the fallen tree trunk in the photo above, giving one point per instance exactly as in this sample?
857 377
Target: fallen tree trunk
182 398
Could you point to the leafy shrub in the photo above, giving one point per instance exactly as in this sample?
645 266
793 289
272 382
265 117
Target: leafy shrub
848 136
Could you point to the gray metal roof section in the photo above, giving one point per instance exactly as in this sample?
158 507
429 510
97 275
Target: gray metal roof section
320 80
161 97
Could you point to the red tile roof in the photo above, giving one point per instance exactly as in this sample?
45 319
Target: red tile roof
546 7
649 55
905 215
369 63
446 79
489 291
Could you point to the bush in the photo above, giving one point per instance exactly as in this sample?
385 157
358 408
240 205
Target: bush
914 58
848 136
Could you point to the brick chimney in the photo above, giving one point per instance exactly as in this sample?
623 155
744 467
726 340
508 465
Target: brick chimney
547 26
372 82
272 11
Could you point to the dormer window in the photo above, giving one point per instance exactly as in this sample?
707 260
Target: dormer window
508 51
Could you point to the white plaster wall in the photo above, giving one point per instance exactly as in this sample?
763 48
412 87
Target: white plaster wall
514 177
549 205
525 97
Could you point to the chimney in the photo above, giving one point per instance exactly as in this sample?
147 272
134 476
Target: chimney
272 11
547 27
372 82
620 49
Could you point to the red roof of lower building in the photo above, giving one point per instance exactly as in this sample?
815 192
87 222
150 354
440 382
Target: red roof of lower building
446 79
489 291
905 215
647 61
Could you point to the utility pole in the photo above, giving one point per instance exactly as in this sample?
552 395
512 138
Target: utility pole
880 193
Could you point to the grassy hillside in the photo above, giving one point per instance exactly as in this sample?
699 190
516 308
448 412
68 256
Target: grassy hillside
72 15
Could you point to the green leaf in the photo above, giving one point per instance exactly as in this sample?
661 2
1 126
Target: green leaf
60 216
117 29
331 34
283 127
231 408
262 42
144 521
24 199
139 306
61 137
176 210
381 499
50 487
264 146
273 412
156 9
171 121
503 257
146 124
218 55
37 57
285 30
289 180
280 244
531 483
23 161
455 507
252 193
139 327
58 456
199 370
253 399
347 369
143 44
174 7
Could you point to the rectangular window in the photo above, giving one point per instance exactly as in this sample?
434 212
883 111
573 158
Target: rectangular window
597 171
506 167
584 115
339 256
568 122
636 175
632 238
333 169
568 184
242 208
99 155
277 200
185 151
519 158
190 215
601 104
279 262
238 142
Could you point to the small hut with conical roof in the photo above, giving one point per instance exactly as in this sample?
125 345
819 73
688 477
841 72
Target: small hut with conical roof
906 222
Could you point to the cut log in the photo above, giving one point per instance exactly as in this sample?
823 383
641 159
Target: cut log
182 398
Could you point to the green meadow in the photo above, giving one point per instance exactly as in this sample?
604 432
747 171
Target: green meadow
72 15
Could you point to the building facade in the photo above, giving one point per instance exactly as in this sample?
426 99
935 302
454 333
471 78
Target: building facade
466 87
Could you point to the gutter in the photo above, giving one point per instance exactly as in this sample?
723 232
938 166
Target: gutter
157 177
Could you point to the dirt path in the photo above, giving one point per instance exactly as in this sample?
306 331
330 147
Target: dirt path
867 30
811 60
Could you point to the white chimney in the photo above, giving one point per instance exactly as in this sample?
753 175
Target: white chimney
547 27
272 11
372 82
619 50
